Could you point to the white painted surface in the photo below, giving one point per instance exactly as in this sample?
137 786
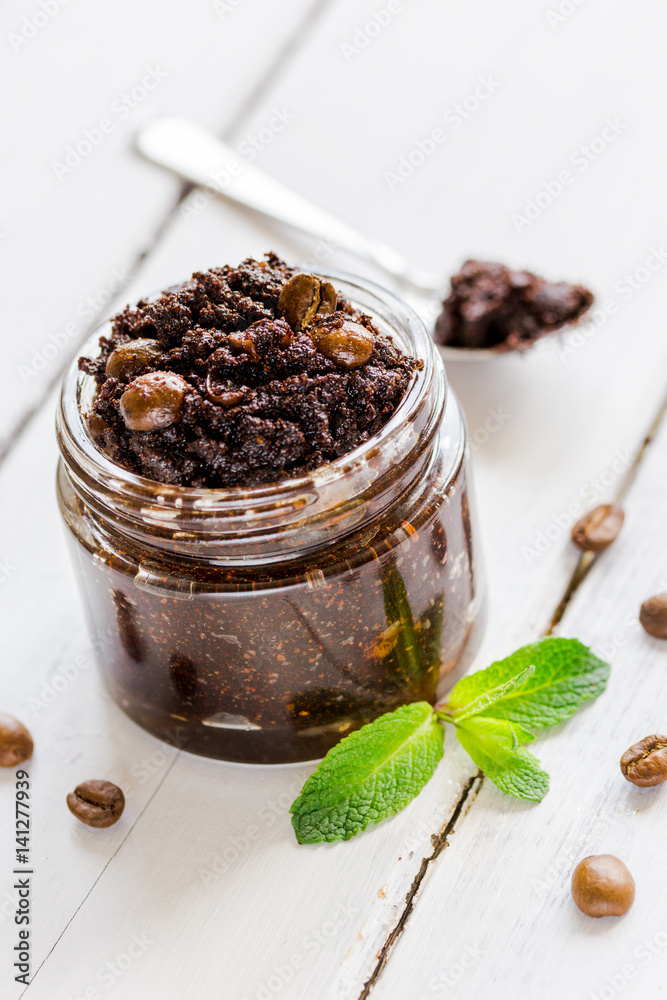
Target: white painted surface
564 422
500 896
74 223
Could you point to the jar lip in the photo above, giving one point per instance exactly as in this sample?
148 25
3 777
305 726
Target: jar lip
79 449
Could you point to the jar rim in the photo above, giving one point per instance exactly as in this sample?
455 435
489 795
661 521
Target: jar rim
235 515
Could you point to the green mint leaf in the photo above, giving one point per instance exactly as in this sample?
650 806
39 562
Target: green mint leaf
429 638
399 616
495 745
491 696
566 674
370 775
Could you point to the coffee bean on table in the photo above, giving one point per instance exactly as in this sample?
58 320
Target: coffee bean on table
153 400
653 616
602 886
16 743
97 803
645 762
595 531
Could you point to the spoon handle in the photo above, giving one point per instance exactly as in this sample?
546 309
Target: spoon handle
197 155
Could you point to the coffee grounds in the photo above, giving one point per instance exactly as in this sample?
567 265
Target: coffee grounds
248 399
491 306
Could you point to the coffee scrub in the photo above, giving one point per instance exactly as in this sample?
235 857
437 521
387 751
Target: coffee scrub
265 480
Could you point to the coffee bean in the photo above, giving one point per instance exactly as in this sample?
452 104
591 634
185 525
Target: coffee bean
97 427
153 400
128 630
257 341
242 341
303 297
645 763
183 675
653 616
16 743
97 803
595 531
439 542
227 395
328 299
131 358
348 346
602 886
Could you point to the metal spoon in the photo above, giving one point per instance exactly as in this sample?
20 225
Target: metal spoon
195 154
200 157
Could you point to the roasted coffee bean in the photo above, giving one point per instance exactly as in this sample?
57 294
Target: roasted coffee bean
257 341
131 358
242 341
645 763
97 803
653 616
153 400
595 531
15 741
230 396
303 297
439 542
348 346
602 886
183 675
97 426
328 299
128 630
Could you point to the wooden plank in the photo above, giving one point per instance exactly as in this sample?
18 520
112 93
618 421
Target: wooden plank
552 447
218 831
49 681
73 224
274 898
221 883
225 840
497 916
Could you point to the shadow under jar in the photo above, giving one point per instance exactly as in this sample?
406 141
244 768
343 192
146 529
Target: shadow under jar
264 624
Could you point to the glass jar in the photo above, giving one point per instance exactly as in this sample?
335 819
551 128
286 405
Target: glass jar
263 624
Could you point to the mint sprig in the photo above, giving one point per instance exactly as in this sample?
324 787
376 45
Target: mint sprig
370 775
484 701
566 675
495 746
377 770
399 614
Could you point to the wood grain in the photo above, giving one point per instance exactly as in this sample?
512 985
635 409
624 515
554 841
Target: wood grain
72 235
203 865
500 896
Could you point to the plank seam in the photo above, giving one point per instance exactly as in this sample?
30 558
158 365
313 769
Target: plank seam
588 559
440 842
108 862
468 795
297 38
289 47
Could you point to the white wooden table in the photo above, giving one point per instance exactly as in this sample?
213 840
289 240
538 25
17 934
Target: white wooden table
201 890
